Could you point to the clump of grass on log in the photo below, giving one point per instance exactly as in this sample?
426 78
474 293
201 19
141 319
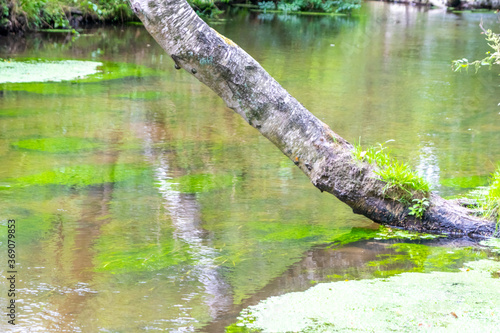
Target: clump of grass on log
403 182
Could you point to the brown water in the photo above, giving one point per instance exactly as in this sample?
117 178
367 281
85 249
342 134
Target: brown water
143 203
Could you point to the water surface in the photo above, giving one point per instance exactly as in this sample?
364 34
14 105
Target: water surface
143 203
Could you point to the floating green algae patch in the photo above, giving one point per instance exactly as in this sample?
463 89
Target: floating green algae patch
56 145
84 175
149 257
42 71
202 182
493 243
465 301
44 77
146 95
389 233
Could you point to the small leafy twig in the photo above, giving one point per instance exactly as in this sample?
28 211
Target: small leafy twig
493 58
419 208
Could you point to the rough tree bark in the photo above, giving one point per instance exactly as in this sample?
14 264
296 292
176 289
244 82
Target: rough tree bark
321 154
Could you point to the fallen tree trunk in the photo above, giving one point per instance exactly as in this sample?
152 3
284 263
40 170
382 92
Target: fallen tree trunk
325 157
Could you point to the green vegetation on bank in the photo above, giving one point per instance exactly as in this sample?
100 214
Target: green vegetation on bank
207 8
327 6
18 15
30 14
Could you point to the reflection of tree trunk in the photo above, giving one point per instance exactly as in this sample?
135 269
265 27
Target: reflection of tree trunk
315 265
323 264
321 154
185 214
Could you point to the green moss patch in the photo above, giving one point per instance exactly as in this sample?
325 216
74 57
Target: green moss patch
465 301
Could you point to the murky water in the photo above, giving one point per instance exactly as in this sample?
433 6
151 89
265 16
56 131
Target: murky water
142 203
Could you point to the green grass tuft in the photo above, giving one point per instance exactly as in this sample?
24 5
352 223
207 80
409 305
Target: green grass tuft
399 175
491 201
404 183
486 200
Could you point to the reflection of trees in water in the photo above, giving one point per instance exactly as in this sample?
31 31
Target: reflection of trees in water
279 29
184 211
331 263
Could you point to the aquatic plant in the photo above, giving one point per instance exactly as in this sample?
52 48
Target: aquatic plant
329 307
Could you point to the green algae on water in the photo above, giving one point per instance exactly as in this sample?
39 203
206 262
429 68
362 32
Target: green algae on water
57 145
12 71
465 301
84 175
382 233
147 257
422 258
64 77
493 243
202 182
142 95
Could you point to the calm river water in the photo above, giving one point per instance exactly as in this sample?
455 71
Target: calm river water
143 203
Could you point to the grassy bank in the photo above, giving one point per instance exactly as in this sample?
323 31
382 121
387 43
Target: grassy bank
22 15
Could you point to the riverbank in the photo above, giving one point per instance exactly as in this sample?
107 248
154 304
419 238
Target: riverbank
19 16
